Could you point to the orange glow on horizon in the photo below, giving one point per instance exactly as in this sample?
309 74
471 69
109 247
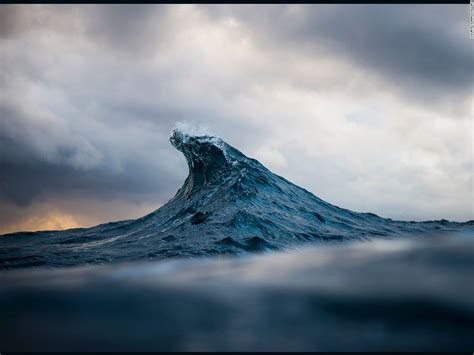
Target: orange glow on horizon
51 221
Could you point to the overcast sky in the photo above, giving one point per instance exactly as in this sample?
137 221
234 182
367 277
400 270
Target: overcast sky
367 106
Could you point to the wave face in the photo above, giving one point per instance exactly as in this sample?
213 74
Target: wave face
228 204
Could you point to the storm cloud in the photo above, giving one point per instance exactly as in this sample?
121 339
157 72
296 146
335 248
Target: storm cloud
367 106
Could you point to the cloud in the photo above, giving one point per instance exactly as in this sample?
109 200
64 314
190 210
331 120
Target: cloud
423 49
366 106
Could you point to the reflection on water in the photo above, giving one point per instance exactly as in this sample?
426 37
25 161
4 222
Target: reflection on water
382 295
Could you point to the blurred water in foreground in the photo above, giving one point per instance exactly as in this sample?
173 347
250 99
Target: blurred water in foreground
400 295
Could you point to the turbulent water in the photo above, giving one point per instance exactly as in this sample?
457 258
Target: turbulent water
229 204
386 285
369 296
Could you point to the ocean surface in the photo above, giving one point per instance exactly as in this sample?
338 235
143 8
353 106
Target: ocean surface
240 259
363 296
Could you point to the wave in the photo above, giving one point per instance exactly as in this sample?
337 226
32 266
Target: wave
228 204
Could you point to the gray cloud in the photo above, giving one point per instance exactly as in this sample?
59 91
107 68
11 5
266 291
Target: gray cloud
423 49
400 43
8 15
366 106
128 28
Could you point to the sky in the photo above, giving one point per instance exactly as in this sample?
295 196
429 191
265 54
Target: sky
369 107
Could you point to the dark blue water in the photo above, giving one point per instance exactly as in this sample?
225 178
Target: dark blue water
228 204
365 296
240 259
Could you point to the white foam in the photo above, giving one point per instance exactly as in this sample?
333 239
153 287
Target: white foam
185 131
192 129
